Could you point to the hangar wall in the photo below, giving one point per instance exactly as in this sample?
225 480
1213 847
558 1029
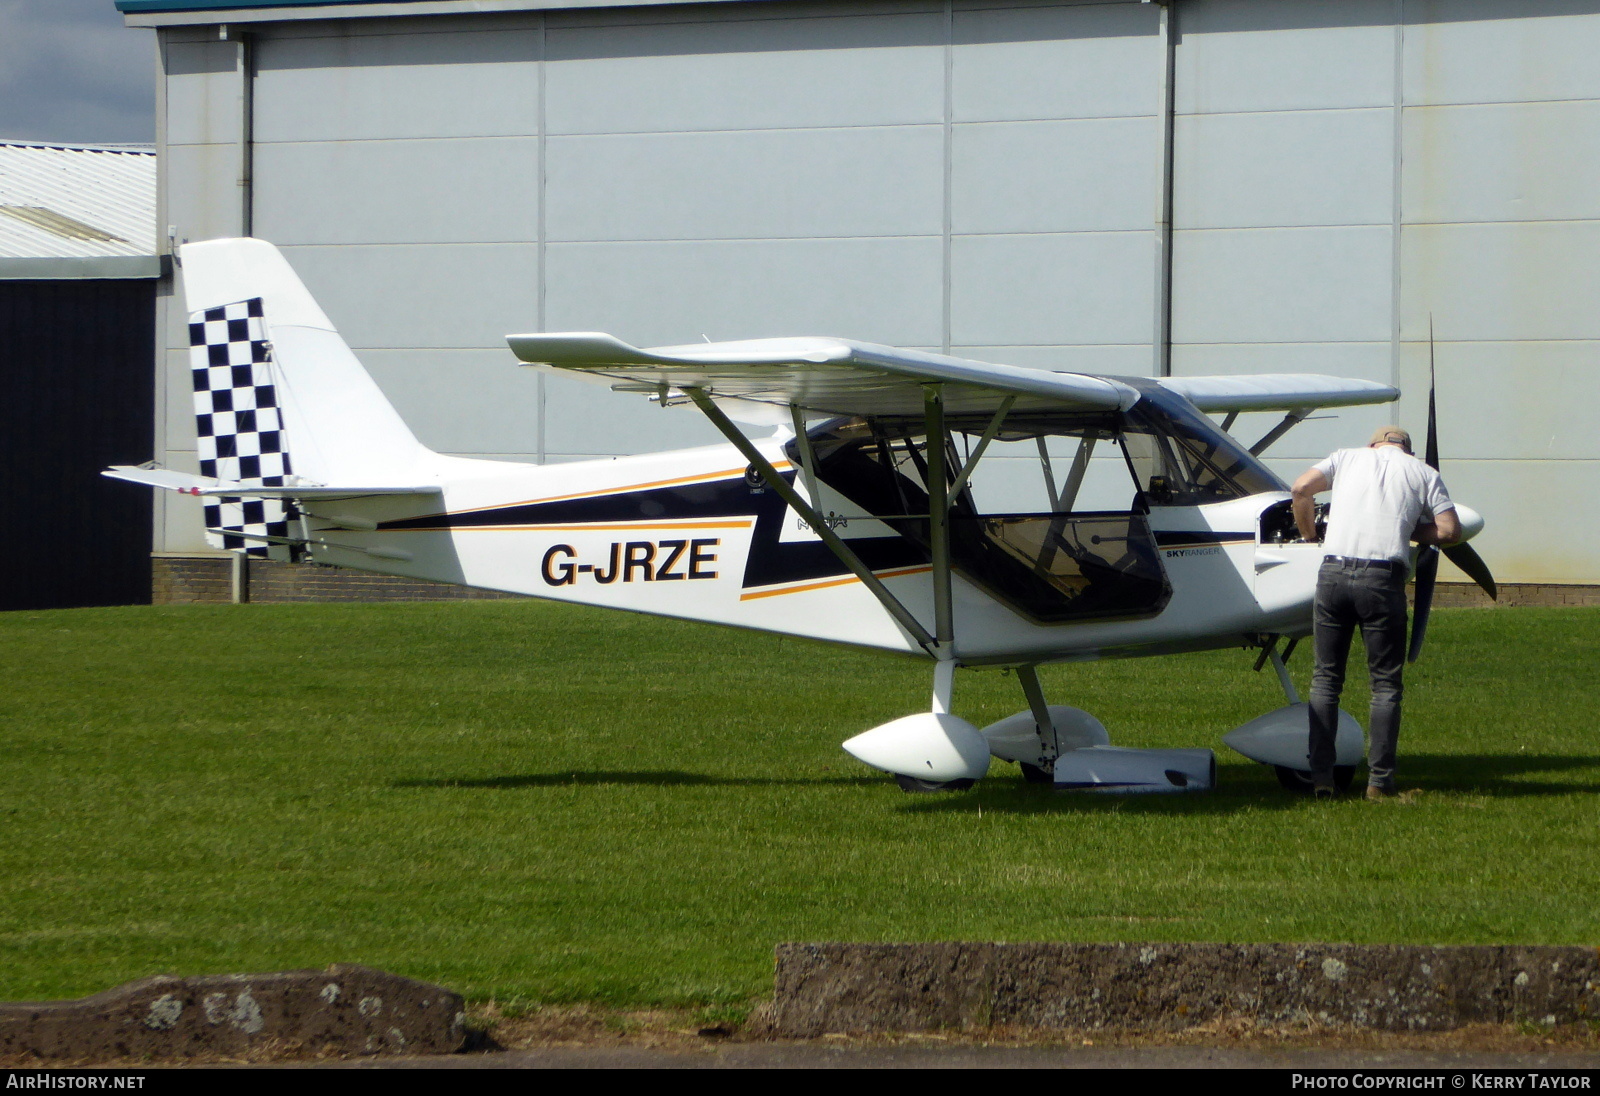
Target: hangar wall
1349 172
983 176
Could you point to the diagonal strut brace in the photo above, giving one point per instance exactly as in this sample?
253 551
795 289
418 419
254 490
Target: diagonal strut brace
1290 420
989 434
901 614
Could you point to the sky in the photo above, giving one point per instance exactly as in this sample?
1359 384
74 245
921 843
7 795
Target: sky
70 71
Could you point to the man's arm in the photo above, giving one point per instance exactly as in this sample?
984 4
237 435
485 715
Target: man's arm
1305 507
1445 528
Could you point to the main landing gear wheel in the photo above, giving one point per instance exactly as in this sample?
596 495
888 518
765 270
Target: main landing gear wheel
1035 775
1299 780
912 784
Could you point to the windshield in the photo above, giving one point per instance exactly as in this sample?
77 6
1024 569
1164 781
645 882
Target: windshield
1182 458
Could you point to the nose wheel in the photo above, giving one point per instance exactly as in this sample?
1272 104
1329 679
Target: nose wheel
912 784
1033 774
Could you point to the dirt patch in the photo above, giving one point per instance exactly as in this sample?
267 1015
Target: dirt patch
686 1030
495 1031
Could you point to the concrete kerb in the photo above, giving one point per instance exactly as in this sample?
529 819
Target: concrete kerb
345 1009
866 988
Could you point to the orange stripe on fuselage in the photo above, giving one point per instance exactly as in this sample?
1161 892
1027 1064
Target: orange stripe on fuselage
831 582
620 489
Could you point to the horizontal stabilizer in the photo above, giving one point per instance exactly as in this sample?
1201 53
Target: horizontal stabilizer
159 477
829 376
187 484
1278 391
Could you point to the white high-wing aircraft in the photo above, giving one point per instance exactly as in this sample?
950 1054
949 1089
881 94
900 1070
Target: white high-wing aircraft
1056 516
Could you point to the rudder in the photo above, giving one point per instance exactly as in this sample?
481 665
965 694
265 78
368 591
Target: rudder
240 435
280 400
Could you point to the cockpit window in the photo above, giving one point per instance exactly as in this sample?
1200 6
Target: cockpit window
1161 452
1181 458
1076 544
1059 562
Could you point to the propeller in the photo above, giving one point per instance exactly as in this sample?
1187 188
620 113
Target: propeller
1427 574
1462 555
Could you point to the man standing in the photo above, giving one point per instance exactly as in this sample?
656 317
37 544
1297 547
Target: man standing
1383 498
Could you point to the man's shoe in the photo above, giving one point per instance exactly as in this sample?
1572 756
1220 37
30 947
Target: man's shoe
1376 794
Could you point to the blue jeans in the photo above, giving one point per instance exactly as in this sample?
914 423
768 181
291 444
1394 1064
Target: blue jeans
1373 595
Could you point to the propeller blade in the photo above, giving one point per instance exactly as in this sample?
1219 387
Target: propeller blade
1427 572
1464 557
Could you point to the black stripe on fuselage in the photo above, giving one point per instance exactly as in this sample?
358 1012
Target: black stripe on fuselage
771 561
1191 539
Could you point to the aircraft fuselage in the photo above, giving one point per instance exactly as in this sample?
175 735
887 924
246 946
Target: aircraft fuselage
690 534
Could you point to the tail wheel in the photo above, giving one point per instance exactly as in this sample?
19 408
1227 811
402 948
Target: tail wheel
1299 780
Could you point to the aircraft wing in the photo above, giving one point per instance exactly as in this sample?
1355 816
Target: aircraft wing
1278 391
828 376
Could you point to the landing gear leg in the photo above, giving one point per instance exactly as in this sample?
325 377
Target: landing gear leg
944 684
1049 747
944 676
1283 671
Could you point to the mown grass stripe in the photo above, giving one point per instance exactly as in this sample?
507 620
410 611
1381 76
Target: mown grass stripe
541 802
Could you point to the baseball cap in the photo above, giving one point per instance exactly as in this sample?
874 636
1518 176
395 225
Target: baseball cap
1391 435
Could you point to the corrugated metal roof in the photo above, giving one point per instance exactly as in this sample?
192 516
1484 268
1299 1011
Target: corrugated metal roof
76 201
177 13
225 5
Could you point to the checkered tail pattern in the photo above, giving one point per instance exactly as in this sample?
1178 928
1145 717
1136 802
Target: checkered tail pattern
241 436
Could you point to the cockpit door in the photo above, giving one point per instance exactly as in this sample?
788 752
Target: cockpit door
1057 562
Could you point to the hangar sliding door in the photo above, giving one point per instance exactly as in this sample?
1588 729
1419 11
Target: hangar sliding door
75 396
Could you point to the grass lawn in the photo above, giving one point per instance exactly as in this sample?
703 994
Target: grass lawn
543 803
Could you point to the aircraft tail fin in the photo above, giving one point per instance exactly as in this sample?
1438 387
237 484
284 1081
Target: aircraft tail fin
280 400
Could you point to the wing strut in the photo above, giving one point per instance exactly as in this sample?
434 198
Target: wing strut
901 614
938 520
1290 421
941 498
1049 474
808 458
1080 468
989 435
